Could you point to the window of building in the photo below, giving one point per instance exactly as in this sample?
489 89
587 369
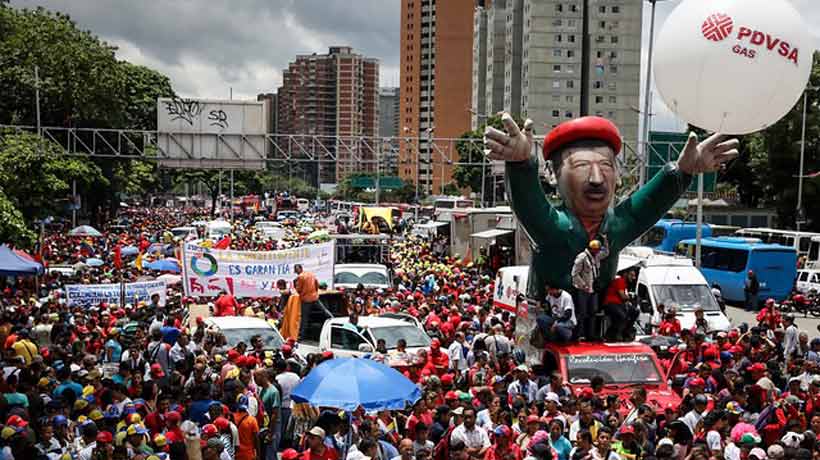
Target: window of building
598 54
614 39
556 113
556 84
558 38
556 98
557 23
599 113
569 68
613 100
571 23
556 68
598 85
616 9
602 9
602 24
570 98
613 69
558 7
611 114
573 8
556 53
568 114
613 24
613 55
599 39
570 84
612 86
599 99
571 38
570 53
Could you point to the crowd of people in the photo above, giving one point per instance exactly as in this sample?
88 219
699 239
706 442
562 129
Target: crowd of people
133 381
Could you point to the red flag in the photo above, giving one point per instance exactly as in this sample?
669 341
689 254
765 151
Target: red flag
224 243
118 256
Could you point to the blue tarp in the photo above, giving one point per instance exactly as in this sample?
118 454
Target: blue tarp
13 264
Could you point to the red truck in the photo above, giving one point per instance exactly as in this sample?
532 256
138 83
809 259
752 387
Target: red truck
623 366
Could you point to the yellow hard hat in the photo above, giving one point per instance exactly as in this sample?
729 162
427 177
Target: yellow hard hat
595 244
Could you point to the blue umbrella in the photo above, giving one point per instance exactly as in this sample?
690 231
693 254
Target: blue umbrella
128 251
347 383
93 262
164 265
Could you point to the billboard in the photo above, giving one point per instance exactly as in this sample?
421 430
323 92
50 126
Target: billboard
211 134
206 272
91 295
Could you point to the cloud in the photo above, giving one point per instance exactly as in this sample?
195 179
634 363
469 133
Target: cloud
208 47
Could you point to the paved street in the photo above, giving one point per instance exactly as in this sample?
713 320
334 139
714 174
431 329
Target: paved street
738 316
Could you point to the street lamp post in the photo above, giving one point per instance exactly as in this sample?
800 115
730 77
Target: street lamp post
479 116
647 97
799 220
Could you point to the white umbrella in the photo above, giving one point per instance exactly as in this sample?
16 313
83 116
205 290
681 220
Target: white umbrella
170 279
85 230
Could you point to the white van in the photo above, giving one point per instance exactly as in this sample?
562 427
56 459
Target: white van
302 204
808 280
509 283
349 276
184 233
216 229
674 281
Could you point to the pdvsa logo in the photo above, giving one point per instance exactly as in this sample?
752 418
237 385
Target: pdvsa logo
718 26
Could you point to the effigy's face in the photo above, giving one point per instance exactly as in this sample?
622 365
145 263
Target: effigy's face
586 180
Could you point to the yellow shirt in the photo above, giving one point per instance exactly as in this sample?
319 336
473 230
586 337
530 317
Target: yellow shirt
26 349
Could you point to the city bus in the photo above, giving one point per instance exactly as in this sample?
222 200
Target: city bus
801 241
726 261
667 233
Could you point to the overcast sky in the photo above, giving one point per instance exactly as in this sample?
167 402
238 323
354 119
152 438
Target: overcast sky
208 47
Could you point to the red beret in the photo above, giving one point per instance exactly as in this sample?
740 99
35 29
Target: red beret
584 128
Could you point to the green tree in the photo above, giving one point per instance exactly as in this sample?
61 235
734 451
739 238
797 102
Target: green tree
13 229
36 175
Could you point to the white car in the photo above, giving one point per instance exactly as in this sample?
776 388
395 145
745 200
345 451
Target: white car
345 339
242 328
349 276
184 233
63 270
808 280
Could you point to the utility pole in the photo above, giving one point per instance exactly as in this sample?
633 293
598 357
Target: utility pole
647 99
800 213
231 203
585 60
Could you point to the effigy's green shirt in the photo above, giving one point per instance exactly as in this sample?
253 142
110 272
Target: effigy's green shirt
557 236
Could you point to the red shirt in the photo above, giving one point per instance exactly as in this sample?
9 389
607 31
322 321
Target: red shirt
328 454
426 417
612 297
225 305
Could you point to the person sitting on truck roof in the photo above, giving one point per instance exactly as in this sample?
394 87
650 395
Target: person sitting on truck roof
558 322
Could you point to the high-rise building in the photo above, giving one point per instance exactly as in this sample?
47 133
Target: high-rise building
271 105
335 95
552 86
436 55
479 81
389 127
513 44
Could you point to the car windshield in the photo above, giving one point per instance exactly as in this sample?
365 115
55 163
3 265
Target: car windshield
269 337
686 297
368 278
613 368
414 336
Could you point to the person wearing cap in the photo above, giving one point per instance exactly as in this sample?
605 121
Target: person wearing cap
48 445
582 155
524 438
248 429
503 448
585 272
317 449
24 347
626 445
523 385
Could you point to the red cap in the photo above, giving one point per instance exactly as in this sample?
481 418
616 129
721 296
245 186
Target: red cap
327 354
16 421
757 367
697 382
587 392
210 430
287 349
584 128
289 454
105 437
447 379
222 423
533 419
173 416
156 370
451 396
629 429
233 355
199 320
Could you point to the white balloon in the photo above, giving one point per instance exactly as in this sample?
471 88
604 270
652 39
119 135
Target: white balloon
733 66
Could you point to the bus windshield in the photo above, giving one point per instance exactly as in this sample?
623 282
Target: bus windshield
686 297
